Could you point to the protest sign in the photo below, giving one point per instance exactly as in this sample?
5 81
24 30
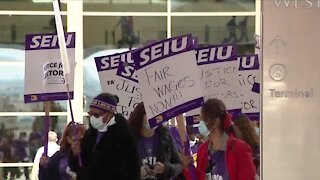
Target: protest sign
44 75
249 81
168 78
121 85
218 68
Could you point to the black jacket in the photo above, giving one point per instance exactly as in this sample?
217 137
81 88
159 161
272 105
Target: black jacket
51 171
115 157
167 154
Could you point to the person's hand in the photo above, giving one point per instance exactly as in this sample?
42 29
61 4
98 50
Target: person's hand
186 159
76 149
143 171
44 160
159 168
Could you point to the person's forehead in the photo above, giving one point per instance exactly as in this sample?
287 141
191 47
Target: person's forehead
95 111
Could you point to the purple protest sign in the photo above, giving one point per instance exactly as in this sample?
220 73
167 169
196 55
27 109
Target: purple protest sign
127 71
216 54
218 70
194 119
117 76
48 41
248 62
110 62
249 81
42 97
168 77
176 111
44 74
253 116
162 49
235 112
256 87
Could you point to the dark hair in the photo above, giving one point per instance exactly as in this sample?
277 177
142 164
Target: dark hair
68 131
136 120
190 130
248 133
214 108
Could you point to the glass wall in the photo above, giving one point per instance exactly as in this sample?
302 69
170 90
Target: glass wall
109 26
213 5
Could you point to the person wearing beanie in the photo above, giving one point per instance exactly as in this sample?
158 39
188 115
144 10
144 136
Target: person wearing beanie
222 156
108 149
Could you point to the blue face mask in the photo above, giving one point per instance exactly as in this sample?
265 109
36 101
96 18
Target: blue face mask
203 129
257 130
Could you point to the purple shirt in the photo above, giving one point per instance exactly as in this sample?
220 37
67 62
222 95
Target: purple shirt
219 170
147 149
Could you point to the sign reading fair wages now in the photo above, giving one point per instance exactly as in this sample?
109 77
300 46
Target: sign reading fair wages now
218 69
44 77
168 77
127 90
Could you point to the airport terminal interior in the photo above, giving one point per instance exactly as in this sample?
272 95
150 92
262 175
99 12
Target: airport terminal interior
105 27
106 23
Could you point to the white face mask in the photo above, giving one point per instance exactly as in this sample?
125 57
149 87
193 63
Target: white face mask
98 124
203 129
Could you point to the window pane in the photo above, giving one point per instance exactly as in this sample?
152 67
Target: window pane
22 136
17 173
110 39
27 5
86 121
215 30
12 90
125 5
213 5
13 29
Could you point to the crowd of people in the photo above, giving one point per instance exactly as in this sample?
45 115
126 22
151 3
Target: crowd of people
222 147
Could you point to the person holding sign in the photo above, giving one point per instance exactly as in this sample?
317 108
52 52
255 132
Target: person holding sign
222 156
158 156
53 147
108 149
56 167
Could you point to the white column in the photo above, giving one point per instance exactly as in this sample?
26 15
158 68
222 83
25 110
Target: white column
75 24
258 18
169 30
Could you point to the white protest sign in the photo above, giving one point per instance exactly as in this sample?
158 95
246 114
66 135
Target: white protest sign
249 81
168 77
44 77
127 90
218 68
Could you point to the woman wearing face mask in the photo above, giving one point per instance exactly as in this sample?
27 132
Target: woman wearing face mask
222 156
56 167
249 135
108 149
158 156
